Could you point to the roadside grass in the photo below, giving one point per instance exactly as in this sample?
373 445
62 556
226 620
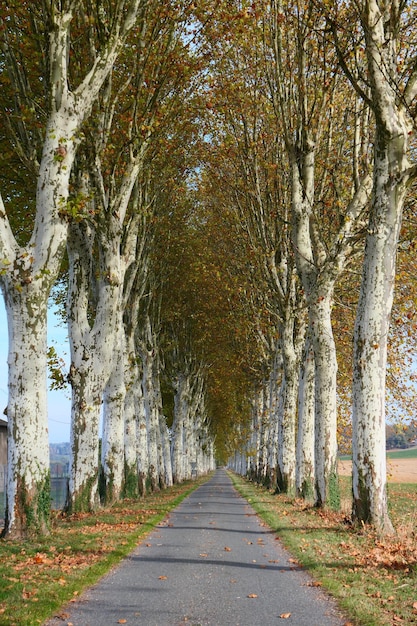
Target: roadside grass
40 576
373 579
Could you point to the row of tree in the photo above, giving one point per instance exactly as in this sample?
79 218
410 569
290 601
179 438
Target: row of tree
205 174
92 103
315 125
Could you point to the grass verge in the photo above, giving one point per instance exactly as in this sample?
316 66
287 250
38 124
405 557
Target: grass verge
374 580
39 577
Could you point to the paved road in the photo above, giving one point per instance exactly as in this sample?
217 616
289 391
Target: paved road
211 563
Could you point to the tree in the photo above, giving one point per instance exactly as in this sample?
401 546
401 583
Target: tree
385 76
306 90
135 110
29 271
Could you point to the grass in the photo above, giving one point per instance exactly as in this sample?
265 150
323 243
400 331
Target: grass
374 580
409 453
39 577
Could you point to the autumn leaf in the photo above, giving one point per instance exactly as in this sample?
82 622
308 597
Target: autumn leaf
163 578
285 615
252 595
122 621
226 549
39 558
63 616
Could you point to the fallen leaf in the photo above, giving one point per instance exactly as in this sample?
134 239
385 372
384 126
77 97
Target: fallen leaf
226 549
163 577
252 595
39 558
285 615
122 621
204 554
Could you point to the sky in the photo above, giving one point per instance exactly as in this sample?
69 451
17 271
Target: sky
59 405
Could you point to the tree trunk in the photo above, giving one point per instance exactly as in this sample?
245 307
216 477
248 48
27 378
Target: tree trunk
327 484
152 419
84 438
113 463
370 340
305 471
28 484
143 456
287 409
92 351
178 430
133 383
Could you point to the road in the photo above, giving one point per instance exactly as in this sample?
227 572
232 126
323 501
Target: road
211 563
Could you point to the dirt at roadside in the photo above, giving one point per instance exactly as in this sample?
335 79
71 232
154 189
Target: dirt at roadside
399 470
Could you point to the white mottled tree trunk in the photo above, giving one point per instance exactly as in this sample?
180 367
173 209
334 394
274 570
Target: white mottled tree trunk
305 469
152 417
287 406
92 345
28 487
325 454
133 386
273 411
181 404
391 96
113 440
370 339
142 450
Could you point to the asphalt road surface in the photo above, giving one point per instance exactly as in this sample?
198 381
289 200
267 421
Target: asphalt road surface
211 563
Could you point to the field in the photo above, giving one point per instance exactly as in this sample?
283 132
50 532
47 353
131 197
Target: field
401 466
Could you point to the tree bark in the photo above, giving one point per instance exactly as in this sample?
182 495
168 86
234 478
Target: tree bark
287 409
305 468
113 440
28 485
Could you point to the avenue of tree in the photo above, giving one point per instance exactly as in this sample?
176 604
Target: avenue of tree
220 197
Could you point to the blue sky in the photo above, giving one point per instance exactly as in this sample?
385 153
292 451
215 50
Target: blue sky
59 405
